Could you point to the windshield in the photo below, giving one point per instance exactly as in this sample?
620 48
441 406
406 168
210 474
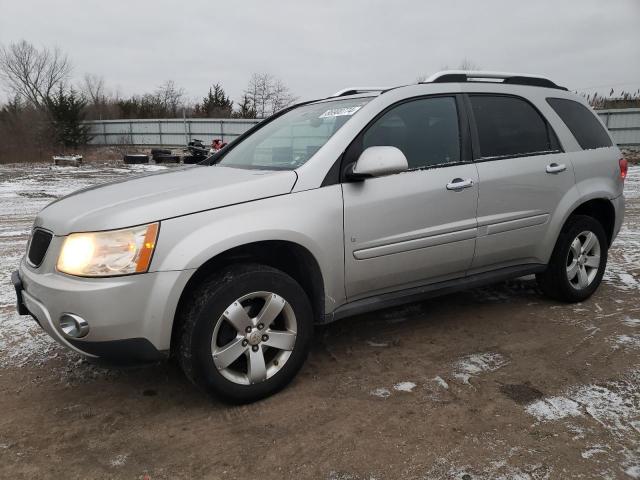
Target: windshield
291 139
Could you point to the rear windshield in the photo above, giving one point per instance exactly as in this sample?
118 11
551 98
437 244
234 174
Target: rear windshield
584 125
288 141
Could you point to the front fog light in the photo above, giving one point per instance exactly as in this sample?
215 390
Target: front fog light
73 326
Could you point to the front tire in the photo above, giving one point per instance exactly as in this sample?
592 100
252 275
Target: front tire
578 261
246 331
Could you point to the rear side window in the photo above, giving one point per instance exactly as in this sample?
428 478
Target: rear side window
584 125
510 126
426 131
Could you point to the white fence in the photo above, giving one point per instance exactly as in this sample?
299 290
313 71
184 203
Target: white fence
169 132
624 125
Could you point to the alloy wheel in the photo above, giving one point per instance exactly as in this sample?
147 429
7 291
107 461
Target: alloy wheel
254 338
583 260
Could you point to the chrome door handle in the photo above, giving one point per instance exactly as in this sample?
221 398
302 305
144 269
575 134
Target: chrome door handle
459 184
556 168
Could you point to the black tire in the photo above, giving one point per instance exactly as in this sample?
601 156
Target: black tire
167 158
207 304
555 282
136 159
160 151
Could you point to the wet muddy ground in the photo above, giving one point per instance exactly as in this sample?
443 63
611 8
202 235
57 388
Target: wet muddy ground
494 383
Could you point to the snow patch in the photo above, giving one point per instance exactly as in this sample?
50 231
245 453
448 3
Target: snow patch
612 405
404 386
119 460
381 392
554 408
629 341
631 322
476 364
590 452
441 382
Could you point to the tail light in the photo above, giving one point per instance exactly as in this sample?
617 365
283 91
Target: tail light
624 167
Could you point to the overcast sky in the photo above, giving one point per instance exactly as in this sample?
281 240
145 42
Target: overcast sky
318 47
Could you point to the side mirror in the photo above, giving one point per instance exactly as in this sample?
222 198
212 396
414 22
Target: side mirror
379 161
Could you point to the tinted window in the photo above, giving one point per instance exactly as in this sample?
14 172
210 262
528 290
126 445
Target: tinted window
509 126
425 130
583 124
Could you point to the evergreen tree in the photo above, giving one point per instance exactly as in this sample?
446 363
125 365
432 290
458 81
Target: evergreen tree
216 104
246 109
66 110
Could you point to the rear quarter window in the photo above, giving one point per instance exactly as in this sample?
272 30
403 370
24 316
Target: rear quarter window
583 124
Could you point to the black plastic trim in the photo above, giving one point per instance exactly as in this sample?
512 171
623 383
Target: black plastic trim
17 284
417 294
42 239
130 350
515 80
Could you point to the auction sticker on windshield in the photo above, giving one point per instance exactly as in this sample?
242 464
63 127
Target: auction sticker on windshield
339 112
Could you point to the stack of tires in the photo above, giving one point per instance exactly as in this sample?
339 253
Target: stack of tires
135 158
163 155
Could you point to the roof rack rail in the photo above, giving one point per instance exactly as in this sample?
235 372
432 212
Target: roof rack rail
356 90
447 76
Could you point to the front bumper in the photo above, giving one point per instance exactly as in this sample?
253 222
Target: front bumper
130 317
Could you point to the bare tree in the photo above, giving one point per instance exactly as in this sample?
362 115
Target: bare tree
33 74
93 88
281 96
467 64
170 97
267 94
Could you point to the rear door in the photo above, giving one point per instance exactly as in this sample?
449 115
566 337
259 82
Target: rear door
419 226
523 176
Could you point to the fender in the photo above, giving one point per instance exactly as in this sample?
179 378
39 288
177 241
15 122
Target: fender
187 242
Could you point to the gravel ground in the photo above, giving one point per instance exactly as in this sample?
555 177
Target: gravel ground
494 383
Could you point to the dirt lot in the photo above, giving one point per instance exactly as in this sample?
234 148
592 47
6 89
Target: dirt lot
495 383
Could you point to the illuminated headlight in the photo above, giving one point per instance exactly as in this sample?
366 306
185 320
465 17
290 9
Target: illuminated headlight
104 254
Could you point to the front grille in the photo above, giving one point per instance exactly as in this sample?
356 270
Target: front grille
38 246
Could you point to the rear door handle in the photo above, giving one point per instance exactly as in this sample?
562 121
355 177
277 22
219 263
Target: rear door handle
459 184
556 168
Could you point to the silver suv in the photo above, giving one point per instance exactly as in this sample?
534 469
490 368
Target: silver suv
367 199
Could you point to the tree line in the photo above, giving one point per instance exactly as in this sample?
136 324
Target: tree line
46 109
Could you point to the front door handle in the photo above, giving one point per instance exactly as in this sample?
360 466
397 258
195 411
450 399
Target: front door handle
459 184
556 168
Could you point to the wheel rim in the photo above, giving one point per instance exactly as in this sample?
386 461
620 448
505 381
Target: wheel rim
254 337
583 260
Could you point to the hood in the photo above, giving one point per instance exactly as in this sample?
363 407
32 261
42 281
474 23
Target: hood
158 196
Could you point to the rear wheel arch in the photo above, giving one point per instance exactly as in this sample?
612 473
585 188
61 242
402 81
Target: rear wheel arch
289 257
600 209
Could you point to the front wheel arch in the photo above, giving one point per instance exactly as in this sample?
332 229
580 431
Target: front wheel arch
291 258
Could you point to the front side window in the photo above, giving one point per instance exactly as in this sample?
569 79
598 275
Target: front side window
425 130
290 140
584 126
509 126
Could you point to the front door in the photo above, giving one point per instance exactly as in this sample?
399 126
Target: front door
416 227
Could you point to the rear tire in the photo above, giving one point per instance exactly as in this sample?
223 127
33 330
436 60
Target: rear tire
245 333
578 261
